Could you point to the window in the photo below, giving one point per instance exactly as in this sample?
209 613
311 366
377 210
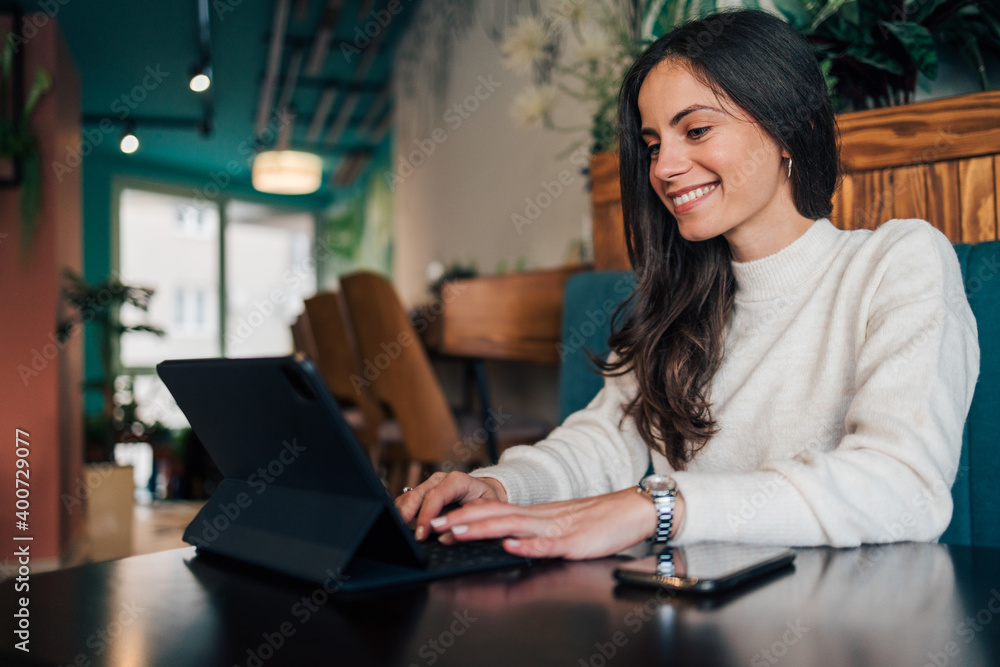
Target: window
173 244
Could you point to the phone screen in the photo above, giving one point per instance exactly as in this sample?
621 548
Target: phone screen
706 567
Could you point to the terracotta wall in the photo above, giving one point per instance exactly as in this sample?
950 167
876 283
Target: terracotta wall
39 380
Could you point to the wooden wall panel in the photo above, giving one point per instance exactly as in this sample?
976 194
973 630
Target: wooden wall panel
843 203
885 194
867 201
943 204
944 129
996 191
909 192
978 199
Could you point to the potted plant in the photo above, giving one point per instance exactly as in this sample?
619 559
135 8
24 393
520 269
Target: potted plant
19 151
873 51
100 304
109 489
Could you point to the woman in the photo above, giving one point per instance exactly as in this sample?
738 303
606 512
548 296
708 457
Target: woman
794 383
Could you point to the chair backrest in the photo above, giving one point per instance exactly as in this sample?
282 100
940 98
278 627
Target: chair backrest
395 367
589 303
325 334
333 348
976 492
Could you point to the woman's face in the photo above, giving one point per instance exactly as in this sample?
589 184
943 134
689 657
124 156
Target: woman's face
714 169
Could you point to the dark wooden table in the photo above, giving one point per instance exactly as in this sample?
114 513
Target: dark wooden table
906 604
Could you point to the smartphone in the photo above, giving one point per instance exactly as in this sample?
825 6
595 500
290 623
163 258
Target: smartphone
709 567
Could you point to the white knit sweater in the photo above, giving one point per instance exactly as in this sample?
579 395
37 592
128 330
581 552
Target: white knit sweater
850 362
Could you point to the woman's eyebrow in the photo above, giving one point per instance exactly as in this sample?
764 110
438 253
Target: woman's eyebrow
650 132
691 109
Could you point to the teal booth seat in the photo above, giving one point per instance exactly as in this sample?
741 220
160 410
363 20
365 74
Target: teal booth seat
591 297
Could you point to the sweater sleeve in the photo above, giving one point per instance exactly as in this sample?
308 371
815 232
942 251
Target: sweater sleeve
889 478
591 453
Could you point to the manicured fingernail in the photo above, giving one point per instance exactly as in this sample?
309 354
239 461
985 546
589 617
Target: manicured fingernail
439 521
421 533
458 530
514 543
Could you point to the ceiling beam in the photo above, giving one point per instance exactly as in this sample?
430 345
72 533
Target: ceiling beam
343 117
291 79
321 41
340 124
265 101
346 85
285 135
322 111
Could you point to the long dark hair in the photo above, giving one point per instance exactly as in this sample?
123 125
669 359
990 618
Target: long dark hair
671 330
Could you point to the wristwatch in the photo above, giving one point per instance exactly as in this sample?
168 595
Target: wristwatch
662 490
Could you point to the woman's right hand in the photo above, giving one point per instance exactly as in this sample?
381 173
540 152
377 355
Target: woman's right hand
443 489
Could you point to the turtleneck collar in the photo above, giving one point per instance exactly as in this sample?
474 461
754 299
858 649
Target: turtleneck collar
776 274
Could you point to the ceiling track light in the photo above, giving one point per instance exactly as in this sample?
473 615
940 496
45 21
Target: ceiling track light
129 142
201 78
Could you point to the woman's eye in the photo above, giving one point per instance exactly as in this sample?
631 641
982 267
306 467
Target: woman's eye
698 132
652 150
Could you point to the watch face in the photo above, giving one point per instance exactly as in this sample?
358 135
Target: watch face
658 483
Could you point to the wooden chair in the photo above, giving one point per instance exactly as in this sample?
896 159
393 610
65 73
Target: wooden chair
323 333
402 380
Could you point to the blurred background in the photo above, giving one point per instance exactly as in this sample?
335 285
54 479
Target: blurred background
180 179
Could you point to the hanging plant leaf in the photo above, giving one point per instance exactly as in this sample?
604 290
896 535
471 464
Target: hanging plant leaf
919 45
41 85
795 13
876 59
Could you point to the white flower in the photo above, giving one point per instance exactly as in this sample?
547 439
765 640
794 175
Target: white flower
434 272
526 43
569 11
534 104
595 46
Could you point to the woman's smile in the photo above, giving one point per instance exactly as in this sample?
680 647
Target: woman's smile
691 197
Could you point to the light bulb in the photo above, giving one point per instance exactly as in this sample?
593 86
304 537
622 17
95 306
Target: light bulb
200 83
130 143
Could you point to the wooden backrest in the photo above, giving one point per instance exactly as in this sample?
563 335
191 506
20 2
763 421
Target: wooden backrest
936 160
327 337
333 346
395 367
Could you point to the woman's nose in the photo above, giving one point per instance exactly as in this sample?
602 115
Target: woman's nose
670 162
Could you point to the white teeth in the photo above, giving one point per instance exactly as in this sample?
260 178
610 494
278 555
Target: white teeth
694 194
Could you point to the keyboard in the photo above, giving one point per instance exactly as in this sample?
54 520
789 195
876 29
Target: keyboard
466 556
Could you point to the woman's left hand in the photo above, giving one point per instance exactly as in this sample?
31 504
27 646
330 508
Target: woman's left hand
576 529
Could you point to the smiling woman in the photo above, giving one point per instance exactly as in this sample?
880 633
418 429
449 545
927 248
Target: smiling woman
772 379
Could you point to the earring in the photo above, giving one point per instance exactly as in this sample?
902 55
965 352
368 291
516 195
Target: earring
789 167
